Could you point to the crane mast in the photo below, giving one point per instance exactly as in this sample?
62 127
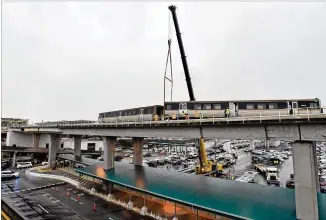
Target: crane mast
182 52
205 165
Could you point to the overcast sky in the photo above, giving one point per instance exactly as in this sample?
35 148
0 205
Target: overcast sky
68 61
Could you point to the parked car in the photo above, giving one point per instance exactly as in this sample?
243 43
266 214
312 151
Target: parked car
290 184
322 181
77 165
24 165
118 158
8 174
45 163
160 161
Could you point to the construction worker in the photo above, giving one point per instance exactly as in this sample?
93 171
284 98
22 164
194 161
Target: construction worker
174 117
155 117
196 114
227 111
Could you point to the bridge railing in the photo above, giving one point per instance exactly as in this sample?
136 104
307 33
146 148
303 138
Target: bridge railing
301 115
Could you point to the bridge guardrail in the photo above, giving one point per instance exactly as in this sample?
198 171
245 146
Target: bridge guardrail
240 118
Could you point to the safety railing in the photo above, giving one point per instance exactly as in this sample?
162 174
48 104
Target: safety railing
280 116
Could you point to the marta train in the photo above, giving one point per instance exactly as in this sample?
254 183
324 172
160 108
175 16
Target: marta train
211 109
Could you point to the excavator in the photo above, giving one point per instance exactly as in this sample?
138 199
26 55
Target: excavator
205 166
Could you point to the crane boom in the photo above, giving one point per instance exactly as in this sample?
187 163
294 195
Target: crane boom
182 52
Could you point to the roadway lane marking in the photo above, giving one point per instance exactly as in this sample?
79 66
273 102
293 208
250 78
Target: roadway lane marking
43 209
5 215
73 199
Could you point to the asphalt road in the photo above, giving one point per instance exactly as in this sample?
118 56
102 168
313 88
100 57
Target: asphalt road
53 203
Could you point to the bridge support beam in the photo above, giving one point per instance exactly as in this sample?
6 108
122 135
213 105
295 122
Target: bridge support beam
305 179
36 140
54 146
77 145
138 151
109 147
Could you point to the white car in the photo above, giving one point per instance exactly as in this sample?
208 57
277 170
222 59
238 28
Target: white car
45 163
24 165
9 174
118 149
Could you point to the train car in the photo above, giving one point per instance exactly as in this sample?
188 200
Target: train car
210 109
207 109
146 113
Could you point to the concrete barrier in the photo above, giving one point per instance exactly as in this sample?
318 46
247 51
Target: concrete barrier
29 172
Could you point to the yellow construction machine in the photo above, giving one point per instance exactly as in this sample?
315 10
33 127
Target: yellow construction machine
205 166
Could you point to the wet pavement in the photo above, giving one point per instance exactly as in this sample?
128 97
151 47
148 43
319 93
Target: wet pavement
53 203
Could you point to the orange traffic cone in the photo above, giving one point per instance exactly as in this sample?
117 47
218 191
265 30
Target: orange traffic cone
94 206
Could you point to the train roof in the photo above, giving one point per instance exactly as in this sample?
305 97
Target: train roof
131 109
269 100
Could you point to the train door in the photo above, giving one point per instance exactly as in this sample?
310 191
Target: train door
182 109
233 108
290 111
141 114
295 108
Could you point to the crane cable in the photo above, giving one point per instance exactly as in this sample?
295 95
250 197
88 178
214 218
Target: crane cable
169 56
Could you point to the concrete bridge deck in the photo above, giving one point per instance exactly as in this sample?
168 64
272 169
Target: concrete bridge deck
289 127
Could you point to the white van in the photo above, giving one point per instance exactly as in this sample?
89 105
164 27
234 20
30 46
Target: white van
24 165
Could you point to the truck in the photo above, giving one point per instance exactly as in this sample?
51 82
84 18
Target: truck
272 176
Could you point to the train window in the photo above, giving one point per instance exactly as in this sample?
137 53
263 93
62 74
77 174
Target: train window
250 106
197 106
217 106
272 106
133 112
313 105
261 106
168 107
207 106
149 111
129 113
126 113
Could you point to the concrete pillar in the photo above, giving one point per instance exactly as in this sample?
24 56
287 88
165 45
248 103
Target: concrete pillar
14 160
77 145
138 151
54 146
305 179
267 143
36 140
252 145
109 147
